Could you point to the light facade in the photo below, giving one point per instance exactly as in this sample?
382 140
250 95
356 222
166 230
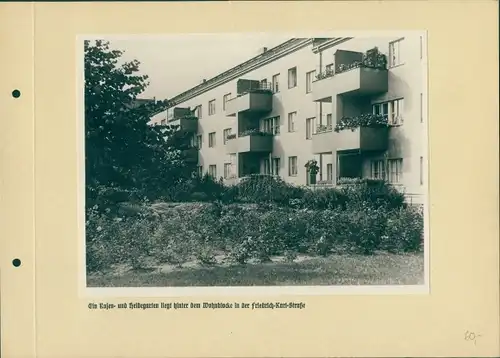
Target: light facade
275 112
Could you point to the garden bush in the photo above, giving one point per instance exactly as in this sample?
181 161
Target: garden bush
370 191
404 231
357 218
112 240
264 188
321 199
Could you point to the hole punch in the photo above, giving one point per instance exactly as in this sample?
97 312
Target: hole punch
16 93
16 262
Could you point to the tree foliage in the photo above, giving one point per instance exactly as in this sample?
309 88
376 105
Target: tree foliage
122 150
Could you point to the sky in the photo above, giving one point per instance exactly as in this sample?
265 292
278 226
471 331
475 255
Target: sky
176 63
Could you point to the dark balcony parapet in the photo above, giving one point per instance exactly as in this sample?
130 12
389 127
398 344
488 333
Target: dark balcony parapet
355 73
256 101
362 138
178 112
252 96
189 124
254 141
358 80
190 155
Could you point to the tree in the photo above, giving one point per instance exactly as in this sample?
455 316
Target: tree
122 151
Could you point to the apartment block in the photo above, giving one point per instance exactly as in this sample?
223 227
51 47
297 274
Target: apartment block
277 111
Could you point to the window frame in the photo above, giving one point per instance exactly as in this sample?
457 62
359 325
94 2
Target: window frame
211 107
377 169
395 167
309 80
291 121
395 62
199 141
276 83
292 165
394 118
212 139
210 167
225 99
292 71
225 133
310 127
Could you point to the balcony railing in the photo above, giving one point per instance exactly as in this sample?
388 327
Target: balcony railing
324 128
371 59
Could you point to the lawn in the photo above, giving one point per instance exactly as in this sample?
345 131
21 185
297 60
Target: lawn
378 269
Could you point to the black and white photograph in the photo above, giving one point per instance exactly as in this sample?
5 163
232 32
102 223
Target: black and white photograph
254 160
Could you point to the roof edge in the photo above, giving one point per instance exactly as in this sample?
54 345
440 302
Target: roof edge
270 55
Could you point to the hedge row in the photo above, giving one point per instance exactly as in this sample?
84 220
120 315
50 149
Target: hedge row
265 189
240 232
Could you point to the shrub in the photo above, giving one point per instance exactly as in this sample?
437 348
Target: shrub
362 227
371 192
113 241
264 188
404 231
321 199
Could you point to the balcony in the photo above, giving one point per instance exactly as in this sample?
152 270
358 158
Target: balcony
188 124
177 112
190 155
363 138
355 73
355 81
255 142
322 140
256 101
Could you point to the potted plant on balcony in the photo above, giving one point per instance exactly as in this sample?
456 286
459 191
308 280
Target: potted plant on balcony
362 120
312 169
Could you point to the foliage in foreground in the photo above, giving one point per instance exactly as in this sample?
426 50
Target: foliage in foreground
177 233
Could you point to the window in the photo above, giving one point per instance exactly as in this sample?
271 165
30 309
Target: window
225 133
309 127
263 83
226 98
395 170
271 125
232 160
292 77
329 120
163 122
211 140
266 166
199 141
378 169
393 110
200 170
227 170
275 167
329 172
199 111
292 166
291 121
212 171
276 83
421 108
309 80
395 57
211 107
421 170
